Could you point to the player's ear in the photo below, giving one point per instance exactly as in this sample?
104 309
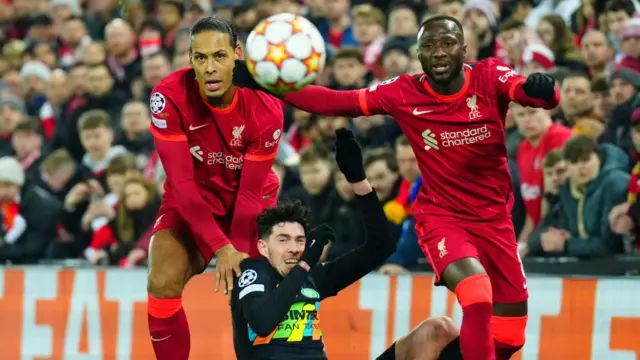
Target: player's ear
190 57
262 248
464 51
238 52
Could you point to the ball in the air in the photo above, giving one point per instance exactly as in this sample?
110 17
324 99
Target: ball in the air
285 53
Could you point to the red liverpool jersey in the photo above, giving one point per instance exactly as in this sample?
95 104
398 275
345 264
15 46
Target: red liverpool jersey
459 139
220 140
529 160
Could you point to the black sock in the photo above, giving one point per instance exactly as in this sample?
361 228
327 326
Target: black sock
390 353
451 351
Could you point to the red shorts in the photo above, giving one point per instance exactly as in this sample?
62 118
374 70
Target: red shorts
170 218
494 244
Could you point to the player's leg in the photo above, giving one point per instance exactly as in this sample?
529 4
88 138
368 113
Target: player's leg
172 262
499 254
428 341
469 281
455 260
508 325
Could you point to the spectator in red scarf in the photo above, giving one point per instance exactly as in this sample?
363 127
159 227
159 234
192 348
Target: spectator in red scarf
27 142
117 242
73 35
624 219
480 17
537 58
368 30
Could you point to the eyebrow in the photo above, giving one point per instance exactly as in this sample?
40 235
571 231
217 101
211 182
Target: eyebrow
213 52
440 34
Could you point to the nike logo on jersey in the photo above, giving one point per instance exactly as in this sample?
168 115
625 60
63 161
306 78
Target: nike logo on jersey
191 127
156 340
312 242
417 113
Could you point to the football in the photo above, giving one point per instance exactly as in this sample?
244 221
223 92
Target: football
285 52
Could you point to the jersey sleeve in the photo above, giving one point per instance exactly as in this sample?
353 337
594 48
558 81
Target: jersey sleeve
506 80
253 282
256 291
375 100
266 137
508 86
259 156
333 276
381 98
166 122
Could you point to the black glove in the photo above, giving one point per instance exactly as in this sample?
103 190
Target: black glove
317 238
349 156
540 86
242 77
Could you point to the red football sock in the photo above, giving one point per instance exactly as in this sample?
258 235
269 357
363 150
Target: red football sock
169 329
475 297
508 335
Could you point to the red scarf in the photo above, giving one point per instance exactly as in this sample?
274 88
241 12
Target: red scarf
634 181
10 211
632 192
48 120
30 159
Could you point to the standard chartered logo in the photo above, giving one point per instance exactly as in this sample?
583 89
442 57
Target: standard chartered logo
468 136
430 141
229 161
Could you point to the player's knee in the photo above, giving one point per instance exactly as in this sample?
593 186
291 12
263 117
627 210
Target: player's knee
165 284
446 328
427 340
442 329
509 330
474 289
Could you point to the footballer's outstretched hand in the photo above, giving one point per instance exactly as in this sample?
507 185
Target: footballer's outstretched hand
242 77
540 86
227 262
317 239
349 156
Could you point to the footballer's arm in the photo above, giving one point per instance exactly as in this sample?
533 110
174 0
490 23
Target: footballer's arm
249 199
173 149
263 304
336 275
351 103
259 158
509 85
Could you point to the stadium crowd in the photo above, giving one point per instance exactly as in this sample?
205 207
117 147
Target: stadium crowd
80 179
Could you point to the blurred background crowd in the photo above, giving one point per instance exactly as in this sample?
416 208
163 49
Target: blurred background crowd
80 179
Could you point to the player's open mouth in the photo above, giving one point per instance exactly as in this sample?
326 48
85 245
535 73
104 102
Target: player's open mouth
291 261
213 85
440 69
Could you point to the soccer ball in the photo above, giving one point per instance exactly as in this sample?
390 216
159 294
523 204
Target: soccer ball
285 53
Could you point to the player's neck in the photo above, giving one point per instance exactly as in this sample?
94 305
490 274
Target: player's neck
223 101
451 88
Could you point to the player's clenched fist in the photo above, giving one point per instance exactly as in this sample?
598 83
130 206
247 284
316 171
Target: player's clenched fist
540 86
349 156
227 261
317 239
